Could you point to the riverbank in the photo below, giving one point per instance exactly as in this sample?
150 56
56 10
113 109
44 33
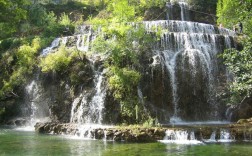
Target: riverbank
237 132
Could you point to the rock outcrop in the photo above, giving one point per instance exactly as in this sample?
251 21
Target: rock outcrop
238 132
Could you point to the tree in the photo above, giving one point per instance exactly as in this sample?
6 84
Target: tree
238 62
231 12
12 13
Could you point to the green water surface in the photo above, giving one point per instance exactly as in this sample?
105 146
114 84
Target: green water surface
26 143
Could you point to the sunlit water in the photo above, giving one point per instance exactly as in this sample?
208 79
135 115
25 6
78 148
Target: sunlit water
25 143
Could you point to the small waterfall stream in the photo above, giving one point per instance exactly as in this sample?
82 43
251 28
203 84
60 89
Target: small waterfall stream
180 137
55 43
87 108
85 111
188 136
184 11
39 109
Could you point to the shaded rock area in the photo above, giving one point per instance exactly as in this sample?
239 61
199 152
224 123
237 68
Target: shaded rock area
18 122
10 106
238 132
241 111
155 13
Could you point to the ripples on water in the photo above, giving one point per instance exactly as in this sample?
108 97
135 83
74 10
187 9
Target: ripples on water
20 142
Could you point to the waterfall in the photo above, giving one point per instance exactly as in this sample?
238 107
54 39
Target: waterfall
97 103
180 137
170 64
85 37
87 108
189 50
140 95
213 136
55 43
225 136
169 13
183 6
77 110
85 111
187 136
184 11
39 109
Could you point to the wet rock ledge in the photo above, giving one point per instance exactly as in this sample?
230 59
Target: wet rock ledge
238 132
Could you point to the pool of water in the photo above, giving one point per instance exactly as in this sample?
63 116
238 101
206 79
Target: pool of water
18 142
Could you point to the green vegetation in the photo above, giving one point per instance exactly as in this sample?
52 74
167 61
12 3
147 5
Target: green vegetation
57 61
31 26
238 61
12 13
17 63
124 44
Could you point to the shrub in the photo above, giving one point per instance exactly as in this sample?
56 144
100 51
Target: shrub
57 61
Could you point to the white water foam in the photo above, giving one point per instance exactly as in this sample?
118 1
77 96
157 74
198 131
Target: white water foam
225 136
55 43
180 137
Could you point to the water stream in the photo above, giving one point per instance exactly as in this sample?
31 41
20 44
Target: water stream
39 109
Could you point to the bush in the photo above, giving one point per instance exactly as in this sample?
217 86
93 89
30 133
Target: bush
19 64
57 61
37 15
240 64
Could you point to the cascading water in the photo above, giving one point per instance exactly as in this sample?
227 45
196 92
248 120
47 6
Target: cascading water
85 37
54 44
87 109
189 52
185 48
184 11
188 136
213 136
88 114
39 110
183 6
225 136
180 137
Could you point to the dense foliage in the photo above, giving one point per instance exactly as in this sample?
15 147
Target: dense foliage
29 26
238 61
123 44
12 13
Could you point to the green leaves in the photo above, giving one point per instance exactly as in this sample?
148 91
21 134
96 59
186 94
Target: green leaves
122 81
57 61
123 42
122 11
12 12
22 62
231 12
240 64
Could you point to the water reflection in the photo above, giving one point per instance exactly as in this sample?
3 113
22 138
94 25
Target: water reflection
23 143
